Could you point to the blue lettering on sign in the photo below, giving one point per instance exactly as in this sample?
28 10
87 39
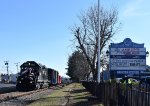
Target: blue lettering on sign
127 57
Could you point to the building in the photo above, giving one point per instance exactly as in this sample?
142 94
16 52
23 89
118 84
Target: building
13 78
4 77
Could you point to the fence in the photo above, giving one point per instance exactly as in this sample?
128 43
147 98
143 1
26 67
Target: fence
114 94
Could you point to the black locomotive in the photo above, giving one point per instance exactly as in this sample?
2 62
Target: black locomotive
32 76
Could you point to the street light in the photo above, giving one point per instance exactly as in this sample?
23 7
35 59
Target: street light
147 54
108 65
107 53
6 63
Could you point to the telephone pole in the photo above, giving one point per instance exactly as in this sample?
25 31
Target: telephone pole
17 64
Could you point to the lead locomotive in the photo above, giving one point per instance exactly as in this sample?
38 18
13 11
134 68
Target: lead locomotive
32 76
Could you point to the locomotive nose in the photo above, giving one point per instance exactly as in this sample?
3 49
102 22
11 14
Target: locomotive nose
28 79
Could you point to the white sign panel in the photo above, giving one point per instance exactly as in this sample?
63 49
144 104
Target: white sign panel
127 64
127 51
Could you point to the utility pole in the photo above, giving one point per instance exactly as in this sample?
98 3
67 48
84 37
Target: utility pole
17 64
98 75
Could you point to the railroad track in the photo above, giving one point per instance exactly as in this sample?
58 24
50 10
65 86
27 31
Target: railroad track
13 95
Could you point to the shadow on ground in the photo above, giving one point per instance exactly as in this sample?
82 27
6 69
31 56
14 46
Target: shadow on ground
79 91
81 97
87 103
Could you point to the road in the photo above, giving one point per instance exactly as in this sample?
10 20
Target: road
6 85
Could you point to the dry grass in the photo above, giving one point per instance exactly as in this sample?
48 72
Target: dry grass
80 97
56 98
73 94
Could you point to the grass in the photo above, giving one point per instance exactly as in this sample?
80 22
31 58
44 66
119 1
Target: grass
57 97
73 94
80 97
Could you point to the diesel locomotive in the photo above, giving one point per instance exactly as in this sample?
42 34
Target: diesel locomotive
34 76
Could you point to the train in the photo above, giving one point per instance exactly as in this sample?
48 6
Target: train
34 75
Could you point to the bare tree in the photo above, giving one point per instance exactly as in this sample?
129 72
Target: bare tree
86 34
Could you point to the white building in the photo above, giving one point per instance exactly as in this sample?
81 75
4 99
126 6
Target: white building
4 77
13 78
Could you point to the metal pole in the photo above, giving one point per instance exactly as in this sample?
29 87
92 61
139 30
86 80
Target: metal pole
6 63
17 64
98 76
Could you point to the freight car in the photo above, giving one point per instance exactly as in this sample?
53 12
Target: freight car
53 77
32 76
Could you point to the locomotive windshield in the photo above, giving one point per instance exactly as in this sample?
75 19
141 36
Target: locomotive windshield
29 67
27 70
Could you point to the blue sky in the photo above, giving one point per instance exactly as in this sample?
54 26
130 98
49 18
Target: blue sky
39 29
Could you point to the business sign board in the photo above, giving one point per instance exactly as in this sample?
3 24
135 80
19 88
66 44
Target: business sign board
127 58
127 64
128 51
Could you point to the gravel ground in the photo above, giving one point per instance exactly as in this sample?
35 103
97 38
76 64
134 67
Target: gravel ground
26 100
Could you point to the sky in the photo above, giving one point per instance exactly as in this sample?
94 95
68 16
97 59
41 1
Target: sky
39 30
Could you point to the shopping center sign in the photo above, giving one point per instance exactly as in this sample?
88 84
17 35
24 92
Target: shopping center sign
127 58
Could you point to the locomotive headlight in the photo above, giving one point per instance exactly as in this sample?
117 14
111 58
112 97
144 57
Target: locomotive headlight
31 82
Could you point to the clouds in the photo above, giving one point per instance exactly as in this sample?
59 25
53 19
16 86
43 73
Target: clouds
136 8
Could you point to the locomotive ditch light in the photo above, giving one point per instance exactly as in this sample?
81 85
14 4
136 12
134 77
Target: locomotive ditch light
31 82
